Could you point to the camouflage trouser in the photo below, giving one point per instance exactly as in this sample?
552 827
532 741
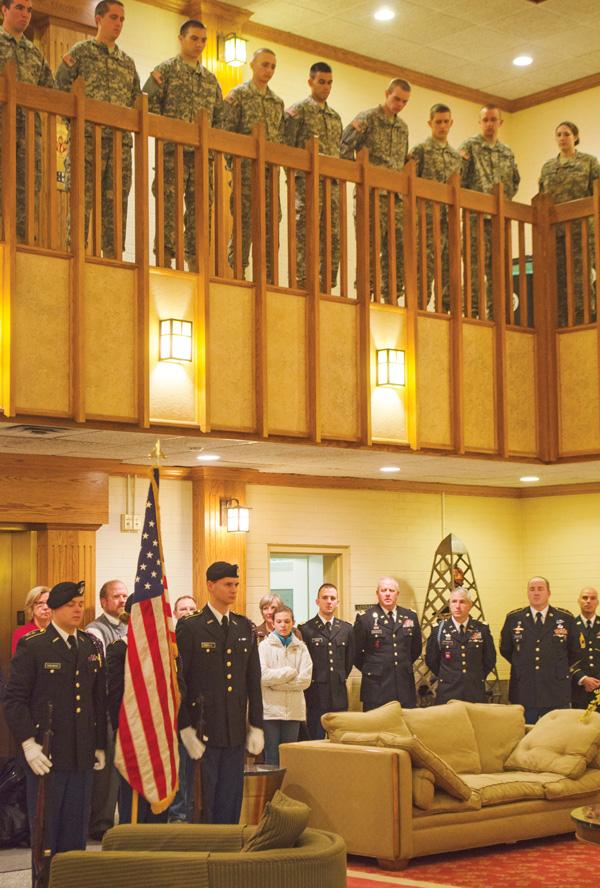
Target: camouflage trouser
430 252
106 187
246 201
21 173
334 232
577 273
477 309
384 260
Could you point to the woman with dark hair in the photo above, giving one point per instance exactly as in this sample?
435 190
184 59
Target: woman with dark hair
37 613
570 176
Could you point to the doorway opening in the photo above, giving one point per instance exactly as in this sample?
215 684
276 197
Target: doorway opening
296 572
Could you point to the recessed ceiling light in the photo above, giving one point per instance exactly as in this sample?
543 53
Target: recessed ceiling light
522 61
384 14
389 469
529 479
208 457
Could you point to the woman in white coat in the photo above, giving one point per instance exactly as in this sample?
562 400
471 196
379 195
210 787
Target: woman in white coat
286 670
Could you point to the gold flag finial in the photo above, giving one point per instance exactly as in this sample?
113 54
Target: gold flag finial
156 455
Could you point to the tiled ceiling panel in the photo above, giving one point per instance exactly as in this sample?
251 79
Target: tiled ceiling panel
469 42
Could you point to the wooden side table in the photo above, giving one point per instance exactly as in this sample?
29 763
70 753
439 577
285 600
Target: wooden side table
260 784
587 823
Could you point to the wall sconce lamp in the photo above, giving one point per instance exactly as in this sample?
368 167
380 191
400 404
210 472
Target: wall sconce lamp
232 50
175 340
234 517
391 366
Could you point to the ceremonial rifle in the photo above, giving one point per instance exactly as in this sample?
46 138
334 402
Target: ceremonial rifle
42 828
197 808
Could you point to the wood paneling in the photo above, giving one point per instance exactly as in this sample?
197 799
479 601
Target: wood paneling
479 388
32 493
521 394
69 554
287 364
579 401
339 377
211 542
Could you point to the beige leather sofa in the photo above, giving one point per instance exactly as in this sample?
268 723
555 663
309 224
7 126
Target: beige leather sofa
180 856
368 793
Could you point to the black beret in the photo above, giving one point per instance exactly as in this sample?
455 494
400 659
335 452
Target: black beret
128 603
220 569
62 593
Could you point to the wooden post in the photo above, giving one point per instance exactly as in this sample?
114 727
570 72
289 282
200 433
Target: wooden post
78 233
363 288
456 314
409 246
142 258
259 268
313 325
499 302
9 219
545 314
69 553
202 251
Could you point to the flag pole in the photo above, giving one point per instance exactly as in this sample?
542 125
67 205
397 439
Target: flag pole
134 806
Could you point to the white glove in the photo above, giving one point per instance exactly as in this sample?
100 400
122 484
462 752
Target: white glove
194 746
100 757
255 740
37 761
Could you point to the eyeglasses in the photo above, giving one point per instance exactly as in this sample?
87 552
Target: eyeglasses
40 604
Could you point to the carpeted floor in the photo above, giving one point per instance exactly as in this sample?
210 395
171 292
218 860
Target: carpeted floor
543 863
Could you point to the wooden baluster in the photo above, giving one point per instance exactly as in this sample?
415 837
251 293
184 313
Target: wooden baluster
468 262
238 267
96 246
437 257
523 294
481 282
326 245
273 175
221 213
423 283
159 202
376 255
508 272
585 270
343 238
391 249
569 274
118 193
178 208
291 230
51 191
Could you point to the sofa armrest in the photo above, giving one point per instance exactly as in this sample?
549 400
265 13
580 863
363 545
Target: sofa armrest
362 793
97 869
174 837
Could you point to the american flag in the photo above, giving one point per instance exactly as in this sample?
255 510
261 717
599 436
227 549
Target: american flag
146 751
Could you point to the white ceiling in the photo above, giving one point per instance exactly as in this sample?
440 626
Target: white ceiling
470 42
298 459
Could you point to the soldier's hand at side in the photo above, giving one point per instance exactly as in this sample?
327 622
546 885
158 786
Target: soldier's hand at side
590 684
255 740
100 757
194 746
37 761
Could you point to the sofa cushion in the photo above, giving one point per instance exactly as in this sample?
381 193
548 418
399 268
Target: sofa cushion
384 718
446 804
498 728
283 821
509 786
560 742
423 788
564 788
447 731
422 757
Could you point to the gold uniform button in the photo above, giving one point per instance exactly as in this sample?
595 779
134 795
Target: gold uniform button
228 650
229 689
229 676
228 664
331 668
77 684
77 672
537 667
77 697
78 710
464 670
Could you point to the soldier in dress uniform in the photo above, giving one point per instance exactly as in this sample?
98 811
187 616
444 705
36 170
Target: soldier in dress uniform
221 712
246 105
181 87
387 641
110 75
305 120
32 68
486 162
540 643
385 134
586 672
461 653
60 665
330 643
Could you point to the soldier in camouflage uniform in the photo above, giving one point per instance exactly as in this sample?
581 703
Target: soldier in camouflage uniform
181 87
31 68
436 159
246 105
110 76
385 135
487 161
570 176
303 121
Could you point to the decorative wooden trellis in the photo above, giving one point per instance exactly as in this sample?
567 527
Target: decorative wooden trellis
451 558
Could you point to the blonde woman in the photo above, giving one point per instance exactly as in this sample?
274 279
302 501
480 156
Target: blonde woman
37 612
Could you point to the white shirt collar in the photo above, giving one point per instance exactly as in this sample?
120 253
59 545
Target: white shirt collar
544 612
593 619
64 635
325 621
217 614
458 625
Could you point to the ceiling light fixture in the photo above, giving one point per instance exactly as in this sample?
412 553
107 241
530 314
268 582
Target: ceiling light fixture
389 469
208 457
529 479
522 61
384 14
